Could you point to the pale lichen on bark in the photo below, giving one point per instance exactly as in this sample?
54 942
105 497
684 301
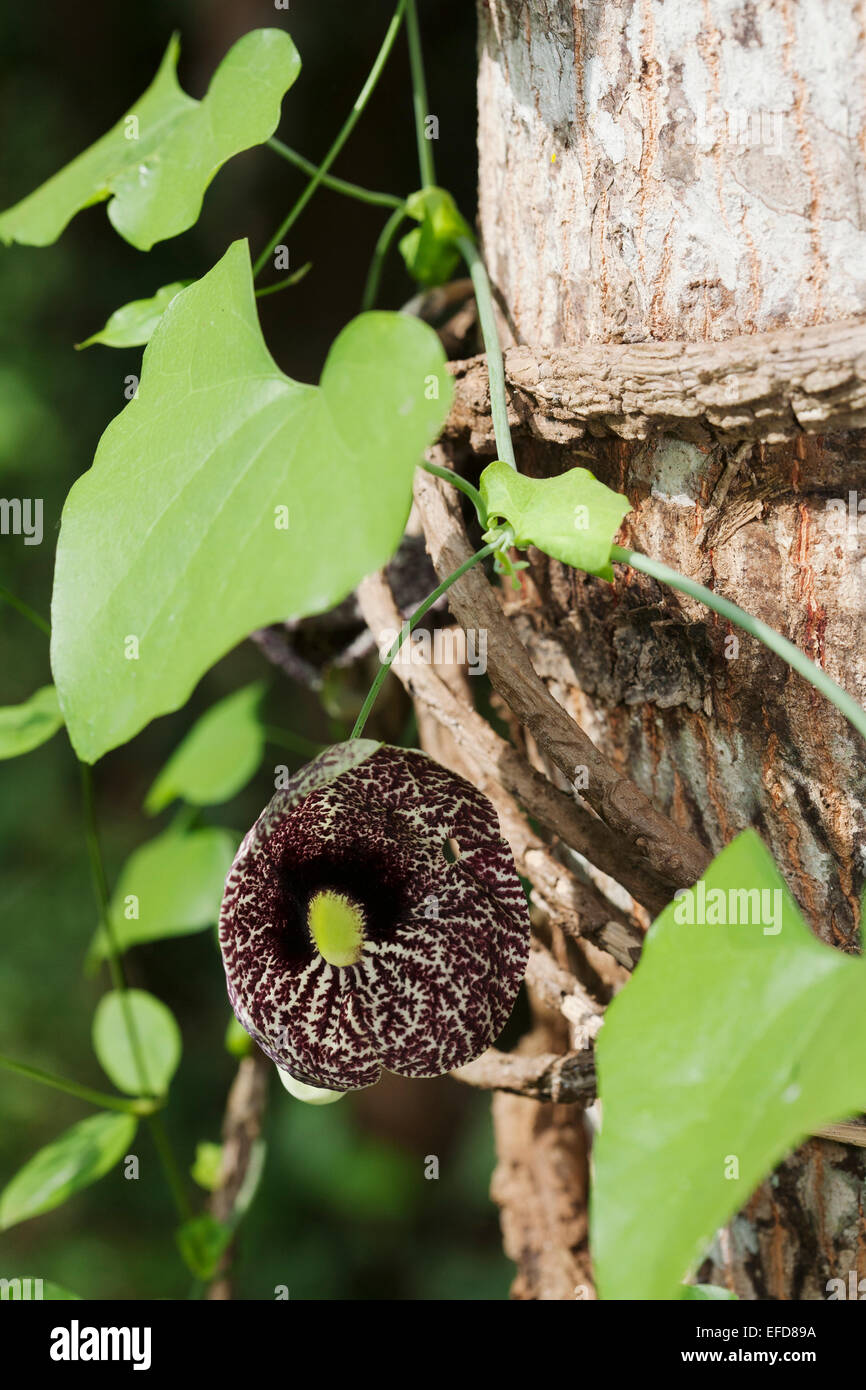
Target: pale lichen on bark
686 170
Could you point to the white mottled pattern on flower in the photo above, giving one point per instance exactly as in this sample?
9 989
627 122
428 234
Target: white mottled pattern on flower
446 943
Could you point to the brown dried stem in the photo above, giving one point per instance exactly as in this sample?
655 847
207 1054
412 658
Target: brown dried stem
563 1079
764 386
242 1126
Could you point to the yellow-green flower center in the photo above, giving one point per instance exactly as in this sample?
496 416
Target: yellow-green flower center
336 925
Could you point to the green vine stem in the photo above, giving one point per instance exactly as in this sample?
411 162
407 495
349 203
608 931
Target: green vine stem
100 885
293 279
170 1167
495 365
25 610
346 130
380 252
146 1107
100 889
407 628
285 738
349 190
768 635
449 476
142 1106
426 164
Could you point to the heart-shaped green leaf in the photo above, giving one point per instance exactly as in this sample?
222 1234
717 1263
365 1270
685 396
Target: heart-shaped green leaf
158 161
24 727
227 496
133 324
573 517
148 1068
218 756
78 1158
722 1052
171 886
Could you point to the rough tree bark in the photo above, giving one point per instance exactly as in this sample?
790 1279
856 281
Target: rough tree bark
654 171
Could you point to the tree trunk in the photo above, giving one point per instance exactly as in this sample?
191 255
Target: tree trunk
695 171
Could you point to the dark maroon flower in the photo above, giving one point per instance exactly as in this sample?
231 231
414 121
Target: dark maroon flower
353 939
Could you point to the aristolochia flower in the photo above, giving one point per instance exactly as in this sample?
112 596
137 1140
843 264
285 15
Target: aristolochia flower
352 940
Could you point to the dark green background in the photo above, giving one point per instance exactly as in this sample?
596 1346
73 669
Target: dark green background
344 1211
